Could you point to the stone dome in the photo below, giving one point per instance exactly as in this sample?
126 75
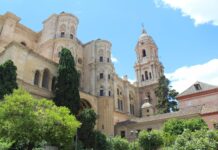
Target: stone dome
144 36
146 105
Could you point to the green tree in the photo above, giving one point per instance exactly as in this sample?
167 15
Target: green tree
177 126
134 145
8 77
67 86
5 144
174 127
200 140
119 143
86 132
29 122
101 142
166 96
150 140
195 124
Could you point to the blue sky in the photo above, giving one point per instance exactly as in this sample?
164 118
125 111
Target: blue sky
186 32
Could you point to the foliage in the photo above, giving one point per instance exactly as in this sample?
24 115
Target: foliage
67 86
120 143
177 126
5 144
101 142
134 145
166 96
8 77
200 140
195 124
174 127
85 133
150 140
28 121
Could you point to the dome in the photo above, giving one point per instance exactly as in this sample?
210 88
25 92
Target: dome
143 36
146 105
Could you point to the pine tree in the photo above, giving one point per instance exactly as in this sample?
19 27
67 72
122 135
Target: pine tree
67 86
8 78
166 96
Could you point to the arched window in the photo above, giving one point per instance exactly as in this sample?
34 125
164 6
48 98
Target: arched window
53 84
143 53
143 79
45 79
36 77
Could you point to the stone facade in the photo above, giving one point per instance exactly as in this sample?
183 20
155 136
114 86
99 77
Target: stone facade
36 55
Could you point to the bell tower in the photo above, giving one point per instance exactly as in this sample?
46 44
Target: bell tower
148 69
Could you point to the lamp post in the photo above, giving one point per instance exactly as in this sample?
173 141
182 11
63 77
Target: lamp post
76 139
149 138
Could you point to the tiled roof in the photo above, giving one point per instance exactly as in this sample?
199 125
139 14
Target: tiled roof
197 87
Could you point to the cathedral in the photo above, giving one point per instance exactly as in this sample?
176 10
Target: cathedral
121 106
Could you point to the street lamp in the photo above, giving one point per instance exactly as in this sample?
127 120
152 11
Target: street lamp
149 138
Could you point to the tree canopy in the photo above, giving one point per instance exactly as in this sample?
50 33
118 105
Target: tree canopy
67 86
8 77
27 121
165 96
150 139
119 143
86 132
200 140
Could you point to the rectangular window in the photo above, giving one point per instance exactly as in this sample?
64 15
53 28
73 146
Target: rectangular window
108 59
109 77
149 129
121 104
122 134
146 75
132 109
101 59
215 126
62 34
101 92
109 93
118 101
101 75
150 75
197 87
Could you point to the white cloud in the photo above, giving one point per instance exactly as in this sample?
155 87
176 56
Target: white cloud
185 76
201 11
114 59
